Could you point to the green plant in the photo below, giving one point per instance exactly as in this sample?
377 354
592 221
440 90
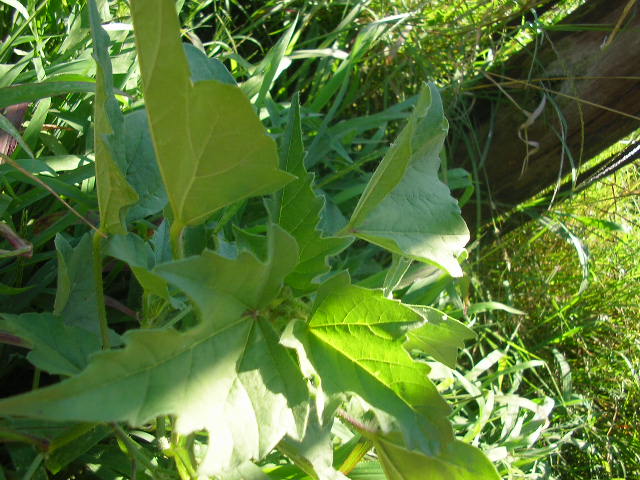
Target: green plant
251 356
571 272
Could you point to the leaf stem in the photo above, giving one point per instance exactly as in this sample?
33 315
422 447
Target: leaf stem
133 449
183 459
36 379
33 467
97 274
177 245
161 426
357 454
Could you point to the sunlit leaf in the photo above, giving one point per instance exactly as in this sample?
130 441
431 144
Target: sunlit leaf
354 341
441 336
405 208
210 145
457 461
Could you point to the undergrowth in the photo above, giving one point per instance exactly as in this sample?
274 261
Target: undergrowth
572 273
548 389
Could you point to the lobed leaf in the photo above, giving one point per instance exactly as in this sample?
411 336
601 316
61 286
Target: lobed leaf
354 341
222 287
298 211
115 194
405 208
236 382
229 375
56 348
210 145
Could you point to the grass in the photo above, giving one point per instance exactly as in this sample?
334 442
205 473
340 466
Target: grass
553 393
573 274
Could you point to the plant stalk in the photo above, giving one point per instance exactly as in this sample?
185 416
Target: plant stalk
177 243
33 467
97 274
133 449
357 454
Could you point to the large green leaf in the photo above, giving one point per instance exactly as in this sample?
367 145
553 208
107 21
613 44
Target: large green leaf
405 208
229 375
354 341
298 210
211 147
236 382
222 287
457 461
115 195
56 348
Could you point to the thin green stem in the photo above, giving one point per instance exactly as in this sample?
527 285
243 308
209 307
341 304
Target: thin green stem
33 467
179 316
161 426
357 454
181 457
133 449
36 379
175 234
97 273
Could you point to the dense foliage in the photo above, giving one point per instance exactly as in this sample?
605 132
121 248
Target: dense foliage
230 297
250 343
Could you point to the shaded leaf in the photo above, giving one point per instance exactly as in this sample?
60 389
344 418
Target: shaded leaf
80 443
76 293
141 259
298 210
141 168
405 208
210 145
56 348
115 194
205 68
224 287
